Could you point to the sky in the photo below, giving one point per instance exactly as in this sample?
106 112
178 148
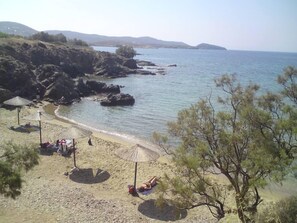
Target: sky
258 25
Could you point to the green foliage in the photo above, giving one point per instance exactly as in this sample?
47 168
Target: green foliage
4 35
288 81
77 42
284 211
13 161
250 141
43 36
126 51
10 180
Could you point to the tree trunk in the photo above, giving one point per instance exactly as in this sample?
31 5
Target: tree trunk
240 211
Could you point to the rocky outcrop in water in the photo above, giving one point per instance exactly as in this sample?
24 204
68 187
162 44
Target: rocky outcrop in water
34 69
118 99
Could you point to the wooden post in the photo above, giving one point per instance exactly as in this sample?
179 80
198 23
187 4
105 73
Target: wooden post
40 138
40 132
74 159
18 111
135 174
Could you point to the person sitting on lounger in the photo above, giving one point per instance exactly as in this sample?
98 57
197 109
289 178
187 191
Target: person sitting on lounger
148 185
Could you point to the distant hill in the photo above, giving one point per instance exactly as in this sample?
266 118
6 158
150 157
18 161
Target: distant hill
15 28
100 40
206 46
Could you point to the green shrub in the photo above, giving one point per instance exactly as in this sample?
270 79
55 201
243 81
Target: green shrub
3 35
14 159
284 211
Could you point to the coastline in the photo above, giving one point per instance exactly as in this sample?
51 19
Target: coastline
97 193
52 110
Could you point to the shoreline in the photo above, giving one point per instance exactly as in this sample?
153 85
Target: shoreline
52 110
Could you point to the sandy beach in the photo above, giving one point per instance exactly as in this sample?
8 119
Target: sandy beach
96 193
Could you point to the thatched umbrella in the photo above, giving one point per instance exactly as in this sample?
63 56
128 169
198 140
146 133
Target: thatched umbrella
137 153
75 132
17 102
38 116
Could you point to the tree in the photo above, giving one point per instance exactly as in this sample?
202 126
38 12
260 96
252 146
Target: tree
126 51
43 36
288 81
249 141
78 42
13 161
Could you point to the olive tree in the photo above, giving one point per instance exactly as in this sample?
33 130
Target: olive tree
231 152
13 160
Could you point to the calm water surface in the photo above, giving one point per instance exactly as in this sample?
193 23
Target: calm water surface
159 98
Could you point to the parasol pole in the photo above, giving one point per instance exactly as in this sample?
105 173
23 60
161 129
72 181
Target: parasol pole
135 176
74 159
40 132
39 112
18 111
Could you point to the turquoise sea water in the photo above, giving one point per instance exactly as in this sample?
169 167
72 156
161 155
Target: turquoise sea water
159 98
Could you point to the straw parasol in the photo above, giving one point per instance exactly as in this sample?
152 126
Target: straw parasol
38 116
17 102
137 153
75 132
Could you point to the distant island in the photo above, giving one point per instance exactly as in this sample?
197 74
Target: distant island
205 46
101 40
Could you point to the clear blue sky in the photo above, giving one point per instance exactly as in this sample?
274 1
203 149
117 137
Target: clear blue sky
263 25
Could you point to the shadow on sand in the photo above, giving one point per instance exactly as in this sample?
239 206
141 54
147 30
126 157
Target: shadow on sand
46 152
25 129
89 176
166 213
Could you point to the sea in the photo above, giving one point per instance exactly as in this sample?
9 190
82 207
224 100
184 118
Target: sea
159 98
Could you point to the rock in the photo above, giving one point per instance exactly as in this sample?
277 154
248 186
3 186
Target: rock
111 65
83 89
62 87
143 63
111 89
95 86
5 94
130 63
118 99
100 87
48 71
161 71
144 72
172 65
17 77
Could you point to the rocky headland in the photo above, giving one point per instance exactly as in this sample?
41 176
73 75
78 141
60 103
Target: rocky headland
51 71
